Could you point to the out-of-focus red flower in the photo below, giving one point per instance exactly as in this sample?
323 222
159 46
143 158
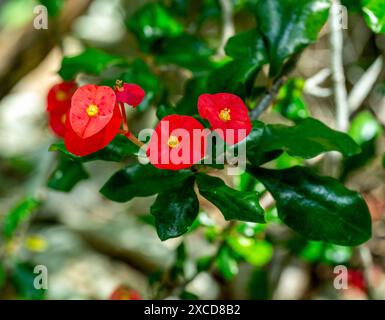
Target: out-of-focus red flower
58 104
129 93
177 143
94 120
356 279
125 293
227 115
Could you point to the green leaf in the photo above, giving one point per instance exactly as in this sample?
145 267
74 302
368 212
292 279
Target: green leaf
119 149
318 208
151 23
19 214
53 6
23 279
226 264
307 139
247 45
91 61
257 253
289 101
234 204
235 77
289 26
3 276
186 51
374 14
175 210
365 130
67 174
194 87
141 181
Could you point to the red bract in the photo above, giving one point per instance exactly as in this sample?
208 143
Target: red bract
227 114
59 96
177 143
91 110
82 147
93 121
125 293
129 93
356 279
58 104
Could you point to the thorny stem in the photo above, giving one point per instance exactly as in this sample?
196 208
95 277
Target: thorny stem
267 100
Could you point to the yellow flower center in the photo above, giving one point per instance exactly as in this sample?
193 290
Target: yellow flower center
173 141
61 95
92 110
224 115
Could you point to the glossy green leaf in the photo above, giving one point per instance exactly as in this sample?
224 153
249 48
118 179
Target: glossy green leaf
91 61
318 208
289 26
67 174
256 252
194 87
53 6
226 264
186 51
307 139
374 14
151 23
175 210
19 214
119 149
141 181
235 77
234 205
247 45
23 278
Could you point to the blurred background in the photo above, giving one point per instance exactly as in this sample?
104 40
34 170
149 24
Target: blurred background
93 247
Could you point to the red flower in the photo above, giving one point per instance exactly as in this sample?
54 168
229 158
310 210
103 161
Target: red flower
58 104
93 121
227 114
125 293
177 143
356 279
129 93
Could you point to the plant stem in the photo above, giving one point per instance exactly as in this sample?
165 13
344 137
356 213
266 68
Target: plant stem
267 99
228 29
336 44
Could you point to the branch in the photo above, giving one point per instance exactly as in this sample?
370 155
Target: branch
312 85
24 51
365 84
267 100
336 43
228 29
